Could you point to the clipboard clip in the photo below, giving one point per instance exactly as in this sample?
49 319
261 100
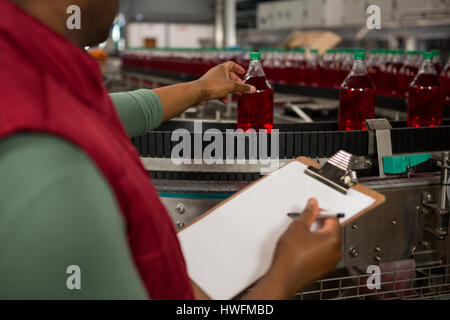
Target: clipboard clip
336 172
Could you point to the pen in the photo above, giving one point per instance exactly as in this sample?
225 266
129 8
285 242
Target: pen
320 216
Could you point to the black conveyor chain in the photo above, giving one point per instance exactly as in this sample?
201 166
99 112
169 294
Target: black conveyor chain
313 140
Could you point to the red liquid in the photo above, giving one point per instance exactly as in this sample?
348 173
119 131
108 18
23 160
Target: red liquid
445 79
334 74
391 78
375 75
384 78
425 101
289 71
324 73
268 69
356 103
346 67
438 67
255 111
405 77
300 73
313 75
295 73
279 74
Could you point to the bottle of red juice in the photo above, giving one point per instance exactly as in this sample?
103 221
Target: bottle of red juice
425 96
255 111
356 97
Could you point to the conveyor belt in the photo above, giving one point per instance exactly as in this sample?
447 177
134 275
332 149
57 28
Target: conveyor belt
313 140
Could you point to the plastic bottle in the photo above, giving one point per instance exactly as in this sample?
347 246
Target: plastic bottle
445 79
313 69
374 68
290 66
347 64
392 72
334 69
387 56
425 100
356 97
267 62
437 61
324 68
255 111
279 66
408 72
299 74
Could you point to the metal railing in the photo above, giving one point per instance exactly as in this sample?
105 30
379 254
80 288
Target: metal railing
420 283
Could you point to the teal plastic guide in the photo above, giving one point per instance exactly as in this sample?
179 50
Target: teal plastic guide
398 164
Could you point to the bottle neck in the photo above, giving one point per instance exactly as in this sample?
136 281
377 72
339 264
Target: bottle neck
427 67
255 69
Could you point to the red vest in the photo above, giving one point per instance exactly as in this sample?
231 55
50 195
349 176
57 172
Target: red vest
48 85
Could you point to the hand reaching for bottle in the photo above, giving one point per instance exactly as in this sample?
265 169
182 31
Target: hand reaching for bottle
222 80
217 83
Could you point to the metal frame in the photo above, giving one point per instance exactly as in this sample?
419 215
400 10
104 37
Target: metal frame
420 283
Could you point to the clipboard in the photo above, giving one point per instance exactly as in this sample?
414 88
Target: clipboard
225 249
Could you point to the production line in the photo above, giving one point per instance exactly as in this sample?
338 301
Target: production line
239 150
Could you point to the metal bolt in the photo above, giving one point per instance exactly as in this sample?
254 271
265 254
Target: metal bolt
377 249
377 258
427 197
394 222
354 252
354 226
180 209
179 224
426 244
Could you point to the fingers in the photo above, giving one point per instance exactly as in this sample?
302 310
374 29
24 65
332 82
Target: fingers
235 77
243 88
225 100
231 66
310 213
331 233
330 226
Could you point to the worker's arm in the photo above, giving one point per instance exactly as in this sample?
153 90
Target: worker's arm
140 111
57 210
217 83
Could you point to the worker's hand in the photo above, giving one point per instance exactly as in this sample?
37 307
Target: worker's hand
302 256
222 80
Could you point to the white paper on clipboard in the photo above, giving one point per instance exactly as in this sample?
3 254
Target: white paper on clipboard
232 247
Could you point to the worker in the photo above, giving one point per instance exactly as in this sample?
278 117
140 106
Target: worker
73 192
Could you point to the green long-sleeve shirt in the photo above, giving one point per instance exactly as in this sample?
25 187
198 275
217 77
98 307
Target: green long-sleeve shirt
57 210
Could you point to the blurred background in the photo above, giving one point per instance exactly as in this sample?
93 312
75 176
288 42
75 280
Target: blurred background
307 47
409 24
